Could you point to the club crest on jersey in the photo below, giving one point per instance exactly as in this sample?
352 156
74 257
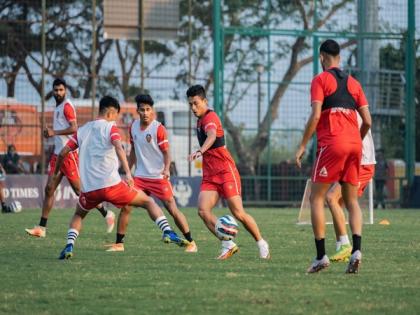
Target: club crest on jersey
323 172
149 137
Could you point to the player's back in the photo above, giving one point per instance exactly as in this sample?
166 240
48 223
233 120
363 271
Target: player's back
98 161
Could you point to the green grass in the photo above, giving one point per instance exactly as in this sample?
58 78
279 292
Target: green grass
155 278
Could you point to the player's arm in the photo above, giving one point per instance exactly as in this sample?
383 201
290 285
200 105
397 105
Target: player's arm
366 120
123 159
163 143
132 158
70 115
309 131
211 138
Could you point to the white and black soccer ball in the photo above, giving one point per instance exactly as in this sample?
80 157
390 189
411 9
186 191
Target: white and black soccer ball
226 228
15 207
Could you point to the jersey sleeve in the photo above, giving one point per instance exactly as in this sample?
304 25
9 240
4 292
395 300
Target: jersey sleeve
115 134
162 138
72 143
361 100
211 121
69 112
317 91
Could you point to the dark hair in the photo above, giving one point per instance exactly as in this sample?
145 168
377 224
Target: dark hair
59 81
144 99
108 101
196 90
330 47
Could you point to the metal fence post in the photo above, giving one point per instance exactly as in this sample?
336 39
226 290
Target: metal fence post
410 118
43 51
217 57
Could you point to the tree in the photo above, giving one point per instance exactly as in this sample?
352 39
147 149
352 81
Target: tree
243 53
17 38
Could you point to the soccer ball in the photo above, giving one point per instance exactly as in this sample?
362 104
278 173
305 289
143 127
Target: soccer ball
15 207
226 228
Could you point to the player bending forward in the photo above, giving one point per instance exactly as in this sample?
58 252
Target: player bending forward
150 151
100 148
64 125
220 176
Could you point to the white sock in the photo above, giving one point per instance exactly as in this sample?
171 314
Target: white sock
163 224
337 246
72 235
344 239
228 244
261 242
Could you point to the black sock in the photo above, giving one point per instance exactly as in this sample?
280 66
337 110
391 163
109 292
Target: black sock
43 222
320 248
120 238
3 205
102 210
188 236
357 242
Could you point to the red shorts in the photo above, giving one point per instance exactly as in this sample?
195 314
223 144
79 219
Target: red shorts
70 166
119 195
227 184
337 163
161 188
366 173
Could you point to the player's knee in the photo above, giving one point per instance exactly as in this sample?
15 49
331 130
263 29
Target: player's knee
331 200
202 212
49 190
239 214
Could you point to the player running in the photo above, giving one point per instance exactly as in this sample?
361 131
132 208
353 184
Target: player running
220 176
150 152
335 98
100 148
64 125
335 197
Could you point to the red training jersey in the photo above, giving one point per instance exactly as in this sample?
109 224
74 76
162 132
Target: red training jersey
215 160
338 123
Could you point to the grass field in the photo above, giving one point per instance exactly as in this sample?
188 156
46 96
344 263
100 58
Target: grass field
155 278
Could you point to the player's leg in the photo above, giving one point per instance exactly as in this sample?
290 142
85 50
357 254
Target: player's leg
50 188
122 224
156 214
356 222
335 203
4 207
181 222
236 207
73 232
317 200
207 200
71 171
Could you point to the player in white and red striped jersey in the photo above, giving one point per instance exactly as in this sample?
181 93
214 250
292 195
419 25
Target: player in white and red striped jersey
150 151
100 149
64 125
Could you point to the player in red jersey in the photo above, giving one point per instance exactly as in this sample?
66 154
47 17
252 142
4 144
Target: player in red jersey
335 98
220 176
100 150
64 125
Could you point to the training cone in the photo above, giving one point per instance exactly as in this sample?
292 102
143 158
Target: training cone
384 222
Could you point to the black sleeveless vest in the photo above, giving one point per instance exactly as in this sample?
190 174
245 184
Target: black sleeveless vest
201 135
341 97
